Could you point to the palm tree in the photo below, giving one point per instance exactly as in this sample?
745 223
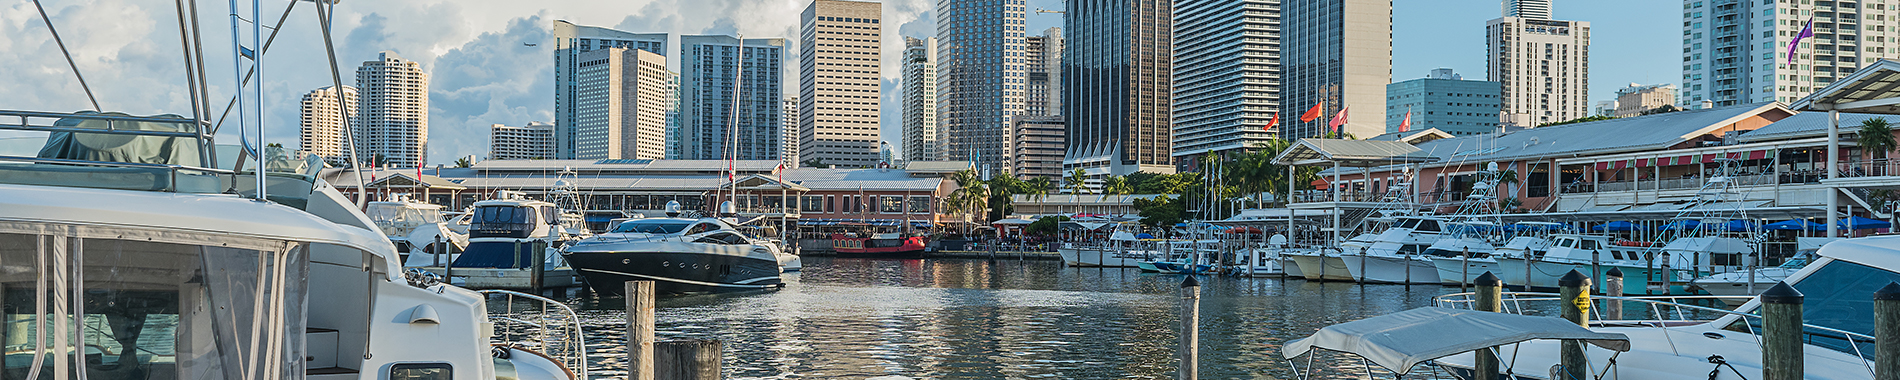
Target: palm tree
972 196
467 161
1876 136
1117 185
1076 181
1038 189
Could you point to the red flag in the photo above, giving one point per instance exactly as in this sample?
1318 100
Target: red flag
1311 114
1274 122
780 172
730 172
1339 120
1406 125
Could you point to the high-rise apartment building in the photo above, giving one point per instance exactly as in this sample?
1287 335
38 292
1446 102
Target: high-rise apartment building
1735 52
1226 75
673 116
1117 67
981 78
1543 64
716 122
1443 100
1636 99
1042 59
788 132
322 126
392 119
838 82
922 140
1037 145
534 141
620 108
1338 54
569 42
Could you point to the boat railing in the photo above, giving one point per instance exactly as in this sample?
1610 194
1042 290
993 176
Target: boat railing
544 325
1663 312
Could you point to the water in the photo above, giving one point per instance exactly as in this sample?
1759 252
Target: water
1007 319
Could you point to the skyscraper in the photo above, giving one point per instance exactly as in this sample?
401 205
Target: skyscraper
534 141
981 78
1226 80
788 133
1036 146
620 108
923 141
569 42
838 82
1117 66
673 116
1543 64
1043 61
1735 52
322 126
1445 101
392 119
709 67
1337 54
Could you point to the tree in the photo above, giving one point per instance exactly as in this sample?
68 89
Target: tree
1077 182
1047 225
1876 136
1038 189
1003 190
465 162
1578 120
813 163
1162 211
1116 185
971 196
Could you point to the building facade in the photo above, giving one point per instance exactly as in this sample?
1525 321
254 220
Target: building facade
1544 66
1445 101
569 42
673 116
322 126
534 141
1336 54
709 65
1635 99
838 82
392 119
1736 52
1036 147
922 140
788 133
1534 9
1043 60
981 78
1117 67
1226 76
621 105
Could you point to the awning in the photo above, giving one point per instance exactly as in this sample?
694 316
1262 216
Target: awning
1859 223
1401 340
1352 153
1875 88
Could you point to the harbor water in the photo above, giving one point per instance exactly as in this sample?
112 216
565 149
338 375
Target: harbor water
1002 319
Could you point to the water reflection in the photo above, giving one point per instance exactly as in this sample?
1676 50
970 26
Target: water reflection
978 319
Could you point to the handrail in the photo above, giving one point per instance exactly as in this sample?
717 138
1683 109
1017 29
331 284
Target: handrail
572 351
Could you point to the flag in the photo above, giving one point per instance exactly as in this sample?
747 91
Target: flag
1311 114
1406 125
1339 121
1807 31
780 173
730 172
1274 122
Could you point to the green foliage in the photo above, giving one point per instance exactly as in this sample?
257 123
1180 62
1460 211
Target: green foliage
1666 108
1047 225
1003 189
1578 120
1162 211
971 197
465 162
1076 182
812 163
1875 135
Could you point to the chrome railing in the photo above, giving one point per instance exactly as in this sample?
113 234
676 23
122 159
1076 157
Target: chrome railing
544 325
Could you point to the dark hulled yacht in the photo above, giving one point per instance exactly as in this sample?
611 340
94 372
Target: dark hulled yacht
681 256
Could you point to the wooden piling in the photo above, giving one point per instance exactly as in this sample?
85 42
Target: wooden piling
1782 356
640 298
1490 298
1613 286
1190 329
1887 332
687 359
1575 292
1464 271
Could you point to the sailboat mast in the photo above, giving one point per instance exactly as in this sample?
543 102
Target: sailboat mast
732 131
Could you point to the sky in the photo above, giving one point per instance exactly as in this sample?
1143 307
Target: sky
483 72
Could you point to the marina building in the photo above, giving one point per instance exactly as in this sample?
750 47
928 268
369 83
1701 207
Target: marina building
922 139
982 80
711 66
1226 85
1443 100
1036 147
321 125
622 104
1117 71
1636 99
838 82
570 41
392 119
534 141
1542 64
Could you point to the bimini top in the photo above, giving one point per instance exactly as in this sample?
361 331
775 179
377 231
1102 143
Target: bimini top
1351 153
1401 340
1872 89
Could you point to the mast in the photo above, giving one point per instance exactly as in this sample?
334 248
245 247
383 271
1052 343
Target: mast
732 131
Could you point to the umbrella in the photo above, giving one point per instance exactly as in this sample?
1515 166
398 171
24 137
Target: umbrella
1680 224
1144 235
1795 225
1741 225
1615 226
1859 223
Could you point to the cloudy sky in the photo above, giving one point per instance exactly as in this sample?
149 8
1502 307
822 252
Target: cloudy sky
482 71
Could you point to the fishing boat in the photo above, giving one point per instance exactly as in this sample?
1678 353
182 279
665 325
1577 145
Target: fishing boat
1458 264
1123 249
1735 285
1325 263
681 255
1394 256
415 228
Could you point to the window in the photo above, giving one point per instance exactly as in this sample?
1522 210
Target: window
421 371
891 205
811 203
920 204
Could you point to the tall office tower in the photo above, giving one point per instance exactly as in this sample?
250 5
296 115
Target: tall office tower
1445 101
717 123
620 108
1117 68
534 141
1543 64
322 125
1337 54
1636 99
788 132
981 78
1226 75
922 140
673 116
1043 59
838 82
392 119
1735 52
569 42
1036 146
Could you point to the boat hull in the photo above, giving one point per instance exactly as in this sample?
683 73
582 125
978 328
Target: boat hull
1317 267
1543 275
1450 274
1091 257
675 272
1382 269
1181 268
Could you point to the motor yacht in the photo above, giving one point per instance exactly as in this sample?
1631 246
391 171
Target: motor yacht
1394 256
1735 285
514 243
1325 264
1665 270
1459 263
1124 249
681 256
415 228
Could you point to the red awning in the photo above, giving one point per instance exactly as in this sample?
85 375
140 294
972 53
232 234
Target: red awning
1602 166
1759 154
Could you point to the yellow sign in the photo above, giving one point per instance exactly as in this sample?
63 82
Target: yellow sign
1583 306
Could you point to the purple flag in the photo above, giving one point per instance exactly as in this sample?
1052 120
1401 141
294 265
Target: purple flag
1807 31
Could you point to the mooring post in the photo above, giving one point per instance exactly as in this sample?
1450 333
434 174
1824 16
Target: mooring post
1887 326
1464 271
1576 308
433 248
639 330
687 359
1190 329
1490 298
1668 278
1781 333
1613 286
537 269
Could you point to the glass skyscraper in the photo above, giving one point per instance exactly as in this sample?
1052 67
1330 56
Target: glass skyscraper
569 42
981 78
708 64
1117 69
1226 74
1336 53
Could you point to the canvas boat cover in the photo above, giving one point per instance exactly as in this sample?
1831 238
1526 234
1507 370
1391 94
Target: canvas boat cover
1401 340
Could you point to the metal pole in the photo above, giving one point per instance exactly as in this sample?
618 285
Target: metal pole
1833 171
1490 298
1576 308
1190 329
1782 357
1613 286
640 307
1887 324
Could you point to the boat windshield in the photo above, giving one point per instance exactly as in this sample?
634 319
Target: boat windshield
1838 296
653 226
398 219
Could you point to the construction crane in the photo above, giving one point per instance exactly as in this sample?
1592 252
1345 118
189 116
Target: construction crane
1040 10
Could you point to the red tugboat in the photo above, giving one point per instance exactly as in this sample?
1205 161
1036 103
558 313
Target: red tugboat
884 246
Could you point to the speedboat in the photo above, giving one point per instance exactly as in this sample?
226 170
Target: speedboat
514 243
680 255
1184 257
415 228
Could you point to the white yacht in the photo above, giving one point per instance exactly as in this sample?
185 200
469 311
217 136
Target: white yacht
514 243
1123 249
1665 270
1394 256
1325 264
1734 285
415 228
1458 264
